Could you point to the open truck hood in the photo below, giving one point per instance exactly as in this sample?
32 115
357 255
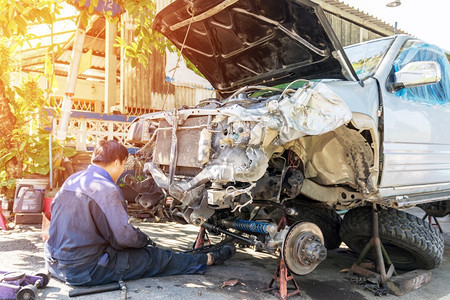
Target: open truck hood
235 43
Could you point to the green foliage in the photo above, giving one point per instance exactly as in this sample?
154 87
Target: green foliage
29 139
4 182
8 62
4 60
15 15
146 41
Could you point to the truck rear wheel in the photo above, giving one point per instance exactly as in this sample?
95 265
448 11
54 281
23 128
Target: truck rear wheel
410 242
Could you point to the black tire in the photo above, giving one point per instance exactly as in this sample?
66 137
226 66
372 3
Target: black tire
328 221
28 292
45 278
410 242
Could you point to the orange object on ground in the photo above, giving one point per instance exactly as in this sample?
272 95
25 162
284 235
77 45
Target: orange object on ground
282 276
46 217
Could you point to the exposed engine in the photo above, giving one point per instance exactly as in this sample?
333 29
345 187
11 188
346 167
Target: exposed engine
227 154
221 162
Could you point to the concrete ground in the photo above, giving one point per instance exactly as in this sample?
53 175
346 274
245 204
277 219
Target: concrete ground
21 249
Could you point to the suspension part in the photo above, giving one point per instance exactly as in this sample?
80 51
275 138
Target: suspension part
213 228
251 226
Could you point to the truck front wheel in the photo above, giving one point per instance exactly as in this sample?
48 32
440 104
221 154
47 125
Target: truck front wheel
410 242
327 219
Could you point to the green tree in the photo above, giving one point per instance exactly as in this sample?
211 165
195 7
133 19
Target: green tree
7 119
14 18
21 152
25 126
145 41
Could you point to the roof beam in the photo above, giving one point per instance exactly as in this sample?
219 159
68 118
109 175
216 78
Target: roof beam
82 76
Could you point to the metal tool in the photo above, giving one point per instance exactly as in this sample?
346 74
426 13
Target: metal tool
123 289
101 289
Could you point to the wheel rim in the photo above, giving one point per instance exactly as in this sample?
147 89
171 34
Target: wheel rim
28 292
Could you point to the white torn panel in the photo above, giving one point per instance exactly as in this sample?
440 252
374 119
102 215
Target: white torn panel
310 111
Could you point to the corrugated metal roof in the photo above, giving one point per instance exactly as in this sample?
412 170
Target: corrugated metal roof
361 18
34 59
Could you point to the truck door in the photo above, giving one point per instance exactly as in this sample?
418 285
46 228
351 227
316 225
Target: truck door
416 148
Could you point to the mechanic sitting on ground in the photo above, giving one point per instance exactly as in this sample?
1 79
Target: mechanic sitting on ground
90 240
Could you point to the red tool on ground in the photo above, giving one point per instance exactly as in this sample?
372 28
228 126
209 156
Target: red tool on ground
201 238
3 221
282 276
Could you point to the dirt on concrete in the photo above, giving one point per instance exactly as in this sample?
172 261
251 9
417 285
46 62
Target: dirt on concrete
21 249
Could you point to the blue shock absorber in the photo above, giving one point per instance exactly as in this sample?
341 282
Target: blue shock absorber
250 226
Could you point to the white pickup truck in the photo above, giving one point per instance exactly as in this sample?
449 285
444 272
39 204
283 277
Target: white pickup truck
301 128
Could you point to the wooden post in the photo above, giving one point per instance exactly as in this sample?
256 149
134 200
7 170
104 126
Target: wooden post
72 76
123 65
110 67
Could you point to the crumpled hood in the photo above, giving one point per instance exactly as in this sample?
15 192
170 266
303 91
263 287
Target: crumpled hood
235 43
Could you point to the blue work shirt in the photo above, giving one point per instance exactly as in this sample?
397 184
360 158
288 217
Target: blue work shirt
88 219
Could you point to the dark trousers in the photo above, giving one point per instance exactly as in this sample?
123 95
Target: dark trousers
145 262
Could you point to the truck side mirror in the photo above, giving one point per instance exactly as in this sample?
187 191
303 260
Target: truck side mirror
417 73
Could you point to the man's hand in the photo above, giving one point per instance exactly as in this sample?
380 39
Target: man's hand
145 238
150 242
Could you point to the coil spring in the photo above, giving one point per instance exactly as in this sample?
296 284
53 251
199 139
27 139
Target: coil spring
250 226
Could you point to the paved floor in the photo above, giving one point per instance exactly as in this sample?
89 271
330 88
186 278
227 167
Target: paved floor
21 249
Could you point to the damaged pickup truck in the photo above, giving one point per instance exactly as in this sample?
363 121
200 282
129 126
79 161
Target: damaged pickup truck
301 128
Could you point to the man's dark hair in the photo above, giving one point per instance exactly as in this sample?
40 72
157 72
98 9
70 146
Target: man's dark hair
106 152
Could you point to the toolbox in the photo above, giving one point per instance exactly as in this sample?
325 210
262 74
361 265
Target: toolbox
28 199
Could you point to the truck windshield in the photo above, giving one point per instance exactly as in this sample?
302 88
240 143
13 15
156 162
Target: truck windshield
365 57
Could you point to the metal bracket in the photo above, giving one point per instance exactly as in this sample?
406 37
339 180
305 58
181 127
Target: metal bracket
201 238
435 224
283 276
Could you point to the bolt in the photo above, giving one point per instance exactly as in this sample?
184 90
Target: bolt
291 211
